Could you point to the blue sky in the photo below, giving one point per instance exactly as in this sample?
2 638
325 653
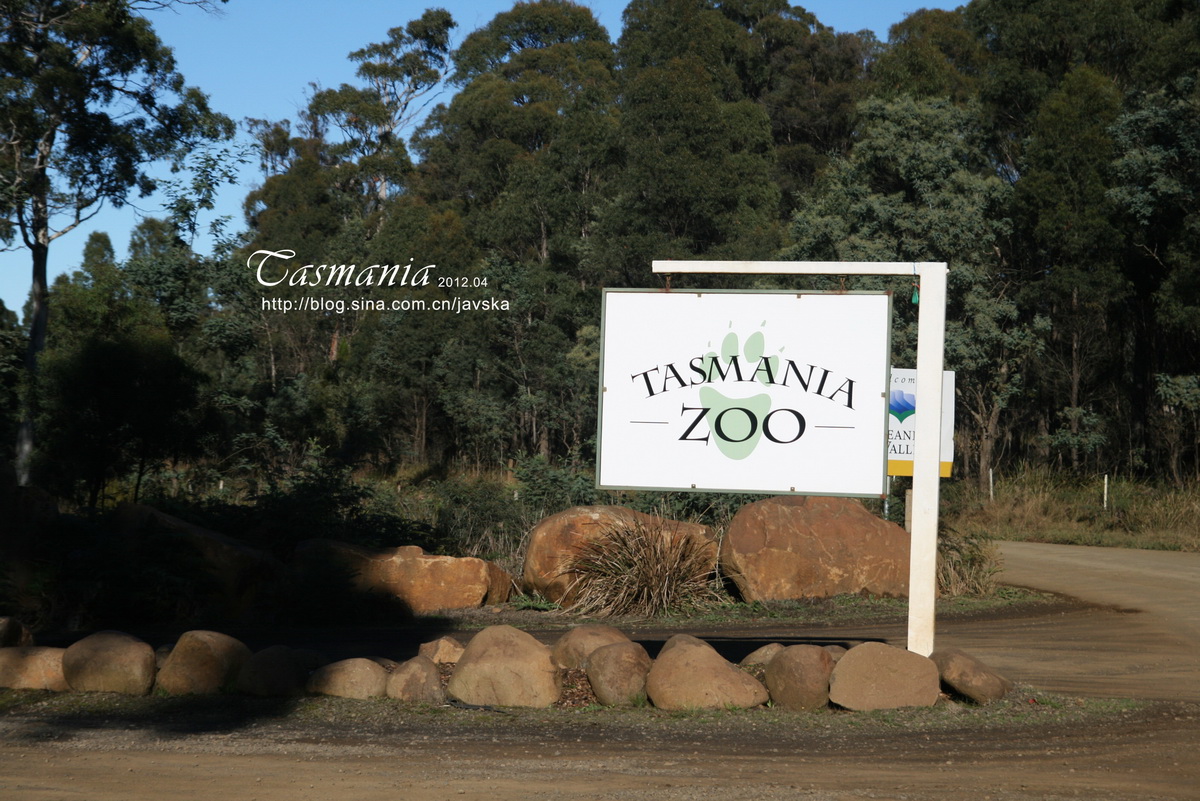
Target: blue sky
256 58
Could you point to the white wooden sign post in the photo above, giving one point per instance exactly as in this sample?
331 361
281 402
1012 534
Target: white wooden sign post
931 341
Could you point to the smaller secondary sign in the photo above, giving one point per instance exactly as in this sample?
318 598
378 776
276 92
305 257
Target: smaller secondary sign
902 422
775 392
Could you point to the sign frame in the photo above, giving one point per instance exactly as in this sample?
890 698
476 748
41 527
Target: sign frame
761 468
931 348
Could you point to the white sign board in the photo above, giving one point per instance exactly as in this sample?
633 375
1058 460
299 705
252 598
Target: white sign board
776 392
902 422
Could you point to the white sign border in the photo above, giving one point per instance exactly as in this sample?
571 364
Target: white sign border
882 492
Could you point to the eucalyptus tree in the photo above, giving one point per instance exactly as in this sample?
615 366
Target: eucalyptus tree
1157 185
696 153
89 99
400 77
524 147
1072 266
918 187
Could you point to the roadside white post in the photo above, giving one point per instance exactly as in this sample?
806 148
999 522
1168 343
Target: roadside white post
931 341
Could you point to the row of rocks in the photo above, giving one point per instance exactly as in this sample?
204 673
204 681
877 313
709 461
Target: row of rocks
505 667
780 548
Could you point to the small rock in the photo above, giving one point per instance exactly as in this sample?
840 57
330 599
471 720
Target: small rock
969 677
350 678
617 673
443 650
112 662
202 663
877 676
690 674
416 681
798 678
277 671
503 666
762 656
32 667
573 648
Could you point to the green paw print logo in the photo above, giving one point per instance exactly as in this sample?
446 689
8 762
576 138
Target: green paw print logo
738 433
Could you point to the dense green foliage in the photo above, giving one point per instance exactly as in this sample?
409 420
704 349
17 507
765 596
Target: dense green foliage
1047 150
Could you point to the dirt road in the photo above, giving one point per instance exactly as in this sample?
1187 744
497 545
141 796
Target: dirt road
1145 751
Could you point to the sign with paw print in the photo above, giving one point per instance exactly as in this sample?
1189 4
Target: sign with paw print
774 392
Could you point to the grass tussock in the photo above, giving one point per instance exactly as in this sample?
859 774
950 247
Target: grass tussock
642 570
967 564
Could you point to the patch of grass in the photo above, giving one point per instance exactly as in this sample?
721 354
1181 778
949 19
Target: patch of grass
533 603
1042 505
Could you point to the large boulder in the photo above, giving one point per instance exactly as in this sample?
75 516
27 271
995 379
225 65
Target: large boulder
277 671
798 677
690 674
877 676
808 547
617 673
573 648
423 582
503 666
557 538
110 662
202 663
32 667
244 574
967 676
417 681
350 678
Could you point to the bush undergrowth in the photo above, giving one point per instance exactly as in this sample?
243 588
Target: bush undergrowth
1040 505
643 570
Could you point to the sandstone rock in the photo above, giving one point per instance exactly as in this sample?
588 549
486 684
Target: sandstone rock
690 674
417 681
573 648
442 650
389 665
503 666
877 676
32 667
350 678
798 678
13 633
422 582
202 663
277 671
555 539
244 574
836 651
762 656
617 673
808 547
112 662
969 677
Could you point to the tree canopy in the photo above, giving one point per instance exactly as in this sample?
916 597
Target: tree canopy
1048 151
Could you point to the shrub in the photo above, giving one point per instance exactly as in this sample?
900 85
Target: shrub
644 570
967 564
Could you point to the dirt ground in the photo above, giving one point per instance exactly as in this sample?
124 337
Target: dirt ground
1107 707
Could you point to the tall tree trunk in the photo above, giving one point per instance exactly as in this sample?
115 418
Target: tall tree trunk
39 295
